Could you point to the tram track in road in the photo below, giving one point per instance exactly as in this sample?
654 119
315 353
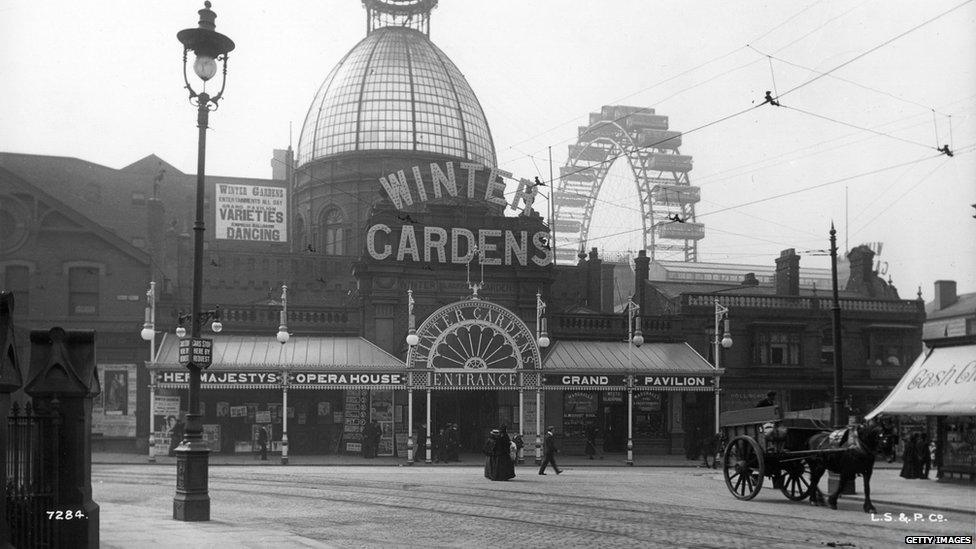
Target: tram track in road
624 520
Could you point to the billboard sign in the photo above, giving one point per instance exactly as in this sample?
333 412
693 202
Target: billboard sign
251 213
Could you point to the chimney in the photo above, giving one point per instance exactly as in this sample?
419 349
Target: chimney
594 281
788 273
861 260
641 275
750 280
945 294
281 161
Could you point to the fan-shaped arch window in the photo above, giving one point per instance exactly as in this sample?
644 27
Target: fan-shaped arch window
332 232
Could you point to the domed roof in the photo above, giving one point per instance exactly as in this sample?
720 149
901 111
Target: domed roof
396 90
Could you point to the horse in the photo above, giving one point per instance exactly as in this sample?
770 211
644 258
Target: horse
849 451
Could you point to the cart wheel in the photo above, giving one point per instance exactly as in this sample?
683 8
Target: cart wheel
796 480
743 467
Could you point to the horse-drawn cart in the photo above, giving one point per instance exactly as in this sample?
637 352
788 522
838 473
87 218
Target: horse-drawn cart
761 443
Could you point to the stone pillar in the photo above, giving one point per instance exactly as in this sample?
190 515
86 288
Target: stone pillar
63 375
10 381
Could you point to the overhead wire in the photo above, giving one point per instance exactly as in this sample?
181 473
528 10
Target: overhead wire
862 128
875 48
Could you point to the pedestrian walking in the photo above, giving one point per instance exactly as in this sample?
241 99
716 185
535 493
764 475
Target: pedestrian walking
924 456
591 440
909 458
519 444
440 446
549 452
263 443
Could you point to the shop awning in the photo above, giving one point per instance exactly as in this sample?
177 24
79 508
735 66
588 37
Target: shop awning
941 382
621 358
241 352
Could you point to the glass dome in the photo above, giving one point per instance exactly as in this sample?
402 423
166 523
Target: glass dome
396 90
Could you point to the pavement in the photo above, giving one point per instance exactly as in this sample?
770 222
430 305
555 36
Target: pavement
888 488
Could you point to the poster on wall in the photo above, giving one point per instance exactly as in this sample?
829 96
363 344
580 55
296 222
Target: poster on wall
252 213
116 392
355 418
223 409
211 435
324 408
381 409
238 411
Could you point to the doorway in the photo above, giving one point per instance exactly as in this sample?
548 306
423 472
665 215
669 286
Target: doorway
474 412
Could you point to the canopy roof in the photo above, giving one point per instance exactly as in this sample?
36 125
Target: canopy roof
308 353
615 356
941 382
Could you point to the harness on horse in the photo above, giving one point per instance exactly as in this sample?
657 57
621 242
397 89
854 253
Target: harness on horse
843 439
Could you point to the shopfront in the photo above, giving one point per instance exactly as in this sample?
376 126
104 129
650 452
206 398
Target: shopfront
626 397
312 395
940 388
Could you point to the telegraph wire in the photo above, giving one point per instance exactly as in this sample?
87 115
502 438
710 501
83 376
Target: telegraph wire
842 79
902 195
856 127
875 48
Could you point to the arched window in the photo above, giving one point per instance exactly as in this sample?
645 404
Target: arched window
332 233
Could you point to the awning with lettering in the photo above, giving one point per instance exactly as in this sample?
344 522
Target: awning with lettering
605 365
941 382
260 362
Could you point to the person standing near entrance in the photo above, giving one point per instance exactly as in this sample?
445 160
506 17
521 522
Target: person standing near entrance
263 443
549 451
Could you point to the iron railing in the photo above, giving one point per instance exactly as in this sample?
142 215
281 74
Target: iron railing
32 475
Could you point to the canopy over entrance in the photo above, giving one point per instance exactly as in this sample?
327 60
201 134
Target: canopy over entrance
941 382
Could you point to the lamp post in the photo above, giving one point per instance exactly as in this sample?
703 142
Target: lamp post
148 333
543 341
192 500
282 336
726 342
412 340
838 409
634 339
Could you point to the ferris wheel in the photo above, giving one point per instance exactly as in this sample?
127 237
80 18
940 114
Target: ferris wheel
665 194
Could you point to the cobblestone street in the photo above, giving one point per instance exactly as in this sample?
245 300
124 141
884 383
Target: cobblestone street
454 506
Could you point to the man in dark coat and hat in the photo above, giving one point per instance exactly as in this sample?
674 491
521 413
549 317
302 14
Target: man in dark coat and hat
549 452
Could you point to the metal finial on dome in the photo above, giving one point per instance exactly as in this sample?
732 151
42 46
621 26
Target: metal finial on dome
413 14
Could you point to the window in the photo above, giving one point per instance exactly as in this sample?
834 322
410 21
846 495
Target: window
777 348
332 233
83 291
889 349
827 346
17 280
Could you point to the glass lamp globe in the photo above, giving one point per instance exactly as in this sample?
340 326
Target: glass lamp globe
147 332
638 339
205 67
216 326
727 341
544 340
283 335
412 338
180 332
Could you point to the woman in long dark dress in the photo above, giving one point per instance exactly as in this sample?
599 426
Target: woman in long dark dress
506 466
909 457
491 455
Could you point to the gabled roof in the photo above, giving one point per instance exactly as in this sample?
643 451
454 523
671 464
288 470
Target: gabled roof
75 216
965 305
308 353
106 196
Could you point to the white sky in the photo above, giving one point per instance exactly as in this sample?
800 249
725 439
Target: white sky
101 81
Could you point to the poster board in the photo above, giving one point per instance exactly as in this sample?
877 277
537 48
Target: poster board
354 419
381 409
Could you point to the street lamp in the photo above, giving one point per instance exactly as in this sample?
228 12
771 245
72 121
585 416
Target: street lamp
282 336
634 339
148 333
725 342
543 341
192 500
412 341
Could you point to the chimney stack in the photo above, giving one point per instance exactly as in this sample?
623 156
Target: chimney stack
594 281
750 280
945 294
788 273
641 275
